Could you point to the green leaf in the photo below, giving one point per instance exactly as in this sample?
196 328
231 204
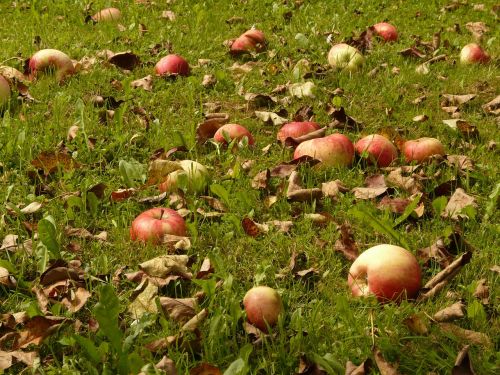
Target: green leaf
48 235
106 312
492 205
221 192
439 204
238 367
131 172
92 203
89 349
408 210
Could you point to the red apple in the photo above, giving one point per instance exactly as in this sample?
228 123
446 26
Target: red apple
153 224
232 131
380 150
4 91
251 40
172 64
346 57
296 129
386 31
51 59
262 306
388 272
108 14
421 149
193 176
334 150
473 54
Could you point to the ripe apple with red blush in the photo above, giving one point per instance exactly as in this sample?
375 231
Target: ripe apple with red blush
172 64
263 306
335 150
387 272
296 129
422 149
473 53
386 31
231 132
153 224
249 41
380 150
51 59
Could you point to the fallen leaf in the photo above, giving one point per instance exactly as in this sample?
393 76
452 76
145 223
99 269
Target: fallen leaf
374 186
296 193
420 118
252 228
282 226
302 90
384 367
466 129
51 161
36 330
456 100
7 359
460 162
416 324
260 180
166 267
255 101
477 29
346 244
413 52
397 178
473 337
362 369
205 369
143 299
206 269
207 129
493 107
168 15
145 83
215 203
294 141
122 194
450 313
463 365
31 208
458 201
270 118
307 367
304 113
6 279
333 188
482 291
124 60
159 169
179 309
209 80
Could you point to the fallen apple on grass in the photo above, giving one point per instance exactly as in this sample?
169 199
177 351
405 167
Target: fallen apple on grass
51 59
473 54
422 149
4 91
387 272
231 132
106 15
153 224
193 177
263 307
345 57
386 31
296 129
380 150
250 41
335 150
172 65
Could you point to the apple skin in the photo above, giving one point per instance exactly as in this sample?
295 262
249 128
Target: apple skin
4 91
262 306
422 148
106 15
335 150
51 59
473 54
233 131
193 176
388 272
172 64
251 40
386 31
345 57
381 151
152 224
296 129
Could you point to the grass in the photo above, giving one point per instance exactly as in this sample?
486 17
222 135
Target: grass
321 320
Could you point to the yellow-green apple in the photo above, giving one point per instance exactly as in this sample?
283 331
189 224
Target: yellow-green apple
172 64
153 224
193 177
262 306
345 57
251 40
51 59
386 31
334 150
387 272
473 54
380 150
232 131
421 149
108 14
296 129
4 91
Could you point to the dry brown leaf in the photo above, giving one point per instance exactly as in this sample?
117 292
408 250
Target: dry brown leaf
384 367
466 129
124 60
495 268
333 188
413 52
477 29
320 219
215 203
282 226
398 179
209 80
168 15
307 367
252 228
207 129
179 309
472 337
270 200
340 120
463 365
6 279
36 330
302 90
205 369
296 193
206 269
294 141
493 107
362 369
159 169
7 359
450 313
304 113
145 83
456 100
261 179
167 265
374 186
417 324
51 161
346 244
255 101
482 292
142 300
122 194
461 162
458 201
282 170
270 118
9 242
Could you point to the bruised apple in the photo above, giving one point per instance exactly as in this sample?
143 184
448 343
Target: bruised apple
421 149
51 59
172 64
153 224
106 15
296 129
380 150
249 41
231 132
335 150
4 91
473 54
262 306
193 177
387 272
345 57
386 31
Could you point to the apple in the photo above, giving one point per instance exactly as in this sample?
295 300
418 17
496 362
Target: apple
232 131
296 129
51 59
346 57
153 224
473 54
334 150
108 14
172 64
262 306
421 149
4 91
388 272
251 40
386 31
193 176
380 150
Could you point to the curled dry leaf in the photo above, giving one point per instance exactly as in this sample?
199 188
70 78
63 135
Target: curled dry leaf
482 292
179 309
333 188
143 299
469 336
460 162
477 29
362 369
167 266
215 203
374 186
7 359
346 244
417 324
261 179
450 313
36 329
209 80
270 118
51 161
456 100
384 367
252 228
207 129
466 129
205 369
255 101
493 107
31 208
458 201
145 83
304 113
122 194
296 193
124 60
397 178
294 141
420 118
302 90
206 269
281 226
463 365
168 15
6 279
159 169
413 52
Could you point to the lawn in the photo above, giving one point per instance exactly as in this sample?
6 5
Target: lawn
80 159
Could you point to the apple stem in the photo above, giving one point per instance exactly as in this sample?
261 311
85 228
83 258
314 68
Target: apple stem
161 215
